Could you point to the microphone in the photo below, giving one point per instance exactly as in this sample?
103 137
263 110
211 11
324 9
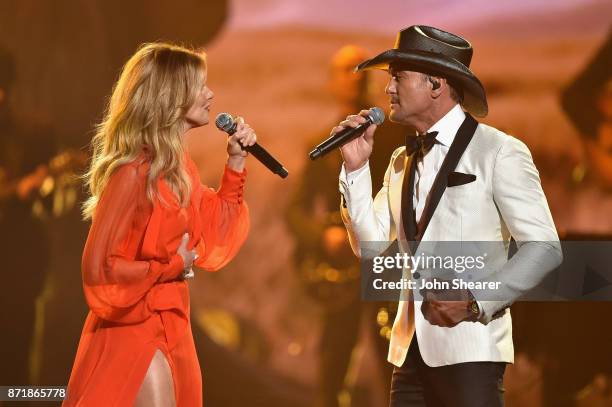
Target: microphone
375 116
225 122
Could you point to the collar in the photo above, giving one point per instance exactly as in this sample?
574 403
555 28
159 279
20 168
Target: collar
448 125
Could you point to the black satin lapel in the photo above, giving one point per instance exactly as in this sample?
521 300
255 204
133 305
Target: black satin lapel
460 143
408 217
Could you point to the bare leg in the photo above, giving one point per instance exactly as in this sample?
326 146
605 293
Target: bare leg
157 389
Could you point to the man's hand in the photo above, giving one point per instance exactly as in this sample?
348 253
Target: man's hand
446 308
356 152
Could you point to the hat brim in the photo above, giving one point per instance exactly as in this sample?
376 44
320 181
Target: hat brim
474 96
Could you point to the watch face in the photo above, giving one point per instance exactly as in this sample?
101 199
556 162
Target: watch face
474 308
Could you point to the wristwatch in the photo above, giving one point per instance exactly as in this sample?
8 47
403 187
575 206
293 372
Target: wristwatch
473 308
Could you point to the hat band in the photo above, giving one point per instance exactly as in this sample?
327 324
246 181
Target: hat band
462 55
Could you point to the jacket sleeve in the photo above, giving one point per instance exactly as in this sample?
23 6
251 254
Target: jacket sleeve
225 221
367 219
117 286
518 194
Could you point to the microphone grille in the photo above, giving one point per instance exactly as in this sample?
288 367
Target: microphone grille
377 115
224 121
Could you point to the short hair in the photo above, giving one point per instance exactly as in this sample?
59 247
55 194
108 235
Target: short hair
455 91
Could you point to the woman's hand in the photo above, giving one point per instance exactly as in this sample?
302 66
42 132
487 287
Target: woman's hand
189 256
247 137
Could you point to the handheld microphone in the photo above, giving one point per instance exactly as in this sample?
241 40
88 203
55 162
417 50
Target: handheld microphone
225 122
375 116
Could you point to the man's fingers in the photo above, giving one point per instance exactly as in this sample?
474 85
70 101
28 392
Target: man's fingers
359 118
425 310
364 113
349 123
369 134
428 295
445 314
435 317
335 130
430 313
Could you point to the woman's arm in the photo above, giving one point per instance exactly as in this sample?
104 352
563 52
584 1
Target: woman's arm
116 285
225 221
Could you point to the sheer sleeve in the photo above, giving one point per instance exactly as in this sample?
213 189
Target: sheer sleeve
116 285
225 221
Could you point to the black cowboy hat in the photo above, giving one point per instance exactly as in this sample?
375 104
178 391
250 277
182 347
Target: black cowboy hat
436 52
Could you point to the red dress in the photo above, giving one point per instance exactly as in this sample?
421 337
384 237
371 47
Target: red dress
131 279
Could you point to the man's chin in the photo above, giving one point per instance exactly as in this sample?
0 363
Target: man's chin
394 116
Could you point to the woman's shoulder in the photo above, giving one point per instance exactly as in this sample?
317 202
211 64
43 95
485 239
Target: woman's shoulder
126 183
131 173
192 168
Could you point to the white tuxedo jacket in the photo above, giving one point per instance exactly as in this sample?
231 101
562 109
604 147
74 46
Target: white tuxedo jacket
506 200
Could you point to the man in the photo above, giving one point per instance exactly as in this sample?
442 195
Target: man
323 257
458 180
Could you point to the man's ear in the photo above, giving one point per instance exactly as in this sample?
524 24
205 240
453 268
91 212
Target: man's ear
437 85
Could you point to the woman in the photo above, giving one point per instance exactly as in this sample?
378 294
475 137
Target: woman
151 221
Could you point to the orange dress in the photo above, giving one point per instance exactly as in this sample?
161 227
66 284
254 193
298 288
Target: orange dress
132 282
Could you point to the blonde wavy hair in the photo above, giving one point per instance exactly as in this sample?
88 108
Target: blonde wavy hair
156 88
